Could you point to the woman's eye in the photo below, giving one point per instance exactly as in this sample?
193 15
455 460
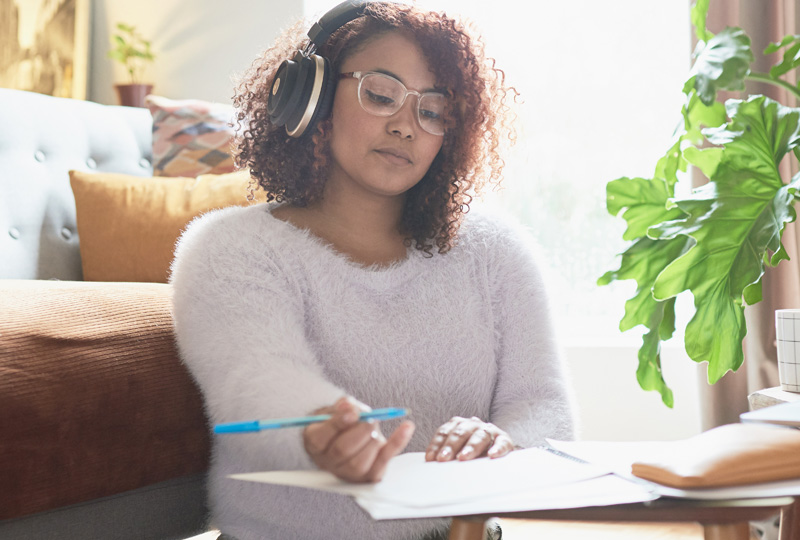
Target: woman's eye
432 115
379 98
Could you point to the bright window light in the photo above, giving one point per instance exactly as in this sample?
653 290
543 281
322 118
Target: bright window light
601 85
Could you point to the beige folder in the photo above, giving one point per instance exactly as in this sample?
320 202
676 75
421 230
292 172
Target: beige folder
730 455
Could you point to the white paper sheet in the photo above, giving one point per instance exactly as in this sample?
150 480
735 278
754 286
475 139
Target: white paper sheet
410 481
616 456
602 491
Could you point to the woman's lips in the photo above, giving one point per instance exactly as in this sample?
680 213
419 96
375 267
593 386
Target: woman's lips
395 157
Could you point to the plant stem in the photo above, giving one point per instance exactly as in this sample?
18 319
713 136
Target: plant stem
763 77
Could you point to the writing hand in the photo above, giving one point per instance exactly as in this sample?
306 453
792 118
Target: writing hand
352 450
468 438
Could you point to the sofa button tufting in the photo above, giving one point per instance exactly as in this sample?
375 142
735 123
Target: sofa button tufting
39 156
144 163
92 164
13 232
66 234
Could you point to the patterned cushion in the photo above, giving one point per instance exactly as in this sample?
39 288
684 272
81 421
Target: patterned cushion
190 137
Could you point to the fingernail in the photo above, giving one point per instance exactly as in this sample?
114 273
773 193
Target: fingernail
466 451
375 435
445 453
350 417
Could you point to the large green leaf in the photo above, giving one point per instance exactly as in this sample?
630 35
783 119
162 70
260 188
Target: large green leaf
643 261
698 15
649 373
670 163
791 56
644 202
736 220
697 115
722 64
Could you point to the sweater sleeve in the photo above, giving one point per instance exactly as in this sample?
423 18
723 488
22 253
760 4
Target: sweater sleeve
239 323
532 399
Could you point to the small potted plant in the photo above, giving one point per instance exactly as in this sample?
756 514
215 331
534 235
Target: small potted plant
717 241
132 51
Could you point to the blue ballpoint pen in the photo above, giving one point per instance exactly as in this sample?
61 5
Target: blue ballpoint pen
258 425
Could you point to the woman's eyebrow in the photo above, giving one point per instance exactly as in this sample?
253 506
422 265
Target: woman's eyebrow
395 76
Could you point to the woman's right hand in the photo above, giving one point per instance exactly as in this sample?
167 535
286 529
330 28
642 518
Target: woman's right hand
352 450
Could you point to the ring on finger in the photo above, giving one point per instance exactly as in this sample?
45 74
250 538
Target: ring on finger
490 434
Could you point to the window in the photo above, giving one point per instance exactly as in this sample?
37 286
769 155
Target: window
601 85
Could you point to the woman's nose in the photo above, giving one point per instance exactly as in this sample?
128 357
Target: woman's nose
404 122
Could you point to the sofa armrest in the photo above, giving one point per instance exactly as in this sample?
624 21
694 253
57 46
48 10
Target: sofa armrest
41 139
94 400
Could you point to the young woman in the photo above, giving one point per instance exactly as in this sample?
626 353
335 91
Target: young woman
362 283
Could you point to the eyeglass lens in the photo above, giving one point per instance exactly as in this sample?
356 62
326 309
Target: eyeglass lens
382 95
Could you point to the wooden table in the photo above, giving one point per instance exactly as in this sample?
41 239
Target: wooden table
721 520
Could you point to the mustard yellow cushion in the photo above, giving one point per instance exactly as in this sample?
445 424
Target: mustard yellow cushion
128 225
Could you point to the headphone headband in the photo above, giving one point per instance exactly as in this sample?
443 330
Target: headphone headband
335 19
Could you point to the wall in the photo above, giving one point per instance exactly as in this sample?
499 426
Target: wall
200 45
611 406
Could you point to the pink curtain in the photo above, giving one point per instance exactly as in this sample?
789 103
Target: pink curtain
722 403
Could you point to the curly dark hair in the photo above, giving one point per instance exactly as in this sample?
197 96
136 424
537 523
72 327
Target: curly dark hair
477 121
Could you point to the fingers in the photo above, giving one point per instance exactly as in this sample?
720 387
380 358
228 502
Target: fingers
453 436
397 441
351 442
318 437
468 438
369 463
360 457
479 443
502 445
436 446
354 451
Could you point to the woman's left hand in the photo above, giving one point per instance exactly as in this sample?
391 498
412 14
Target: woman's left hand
468 438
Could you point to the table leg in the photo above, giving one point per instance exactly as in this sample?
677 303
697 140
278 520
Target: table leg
732 531
467 529
790 522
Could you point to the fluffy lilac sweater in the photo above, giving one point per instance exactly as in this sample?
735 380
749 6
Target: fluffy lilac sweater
272 322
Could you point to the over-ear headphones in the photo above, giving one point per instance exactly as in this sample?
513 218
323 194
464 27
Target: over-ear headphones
302 93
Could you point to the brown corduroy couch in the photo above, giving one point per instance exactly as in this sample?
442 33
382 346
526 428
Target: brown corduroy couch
102 431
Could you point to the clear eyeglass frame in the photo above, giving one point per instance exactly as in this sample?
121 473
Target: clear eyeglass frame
434 126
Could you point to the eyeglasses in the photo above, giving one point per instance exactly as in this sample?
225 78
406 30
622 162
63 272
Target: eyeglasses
383 95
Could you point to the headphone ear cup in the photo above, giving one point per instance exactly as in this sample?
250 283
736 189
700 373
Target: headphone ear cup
285 91
312 96
325 102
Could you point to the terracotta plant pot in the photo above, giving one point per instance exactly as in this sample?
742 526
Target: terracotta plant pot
132 95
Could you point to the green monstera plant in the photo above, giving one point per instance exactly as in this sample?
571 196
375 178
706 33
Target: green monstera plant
717 241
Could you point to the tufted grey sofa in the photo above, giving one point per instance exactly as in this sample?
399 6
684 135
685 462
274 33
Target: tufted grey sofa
41 139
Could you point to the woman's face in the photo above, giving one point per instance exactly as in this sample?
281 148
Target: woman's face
379 155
